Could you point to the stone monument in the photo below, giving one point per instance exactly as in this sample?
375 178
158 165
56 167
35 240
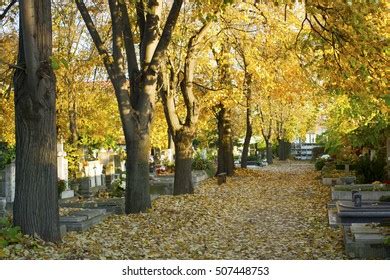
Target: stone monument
62 170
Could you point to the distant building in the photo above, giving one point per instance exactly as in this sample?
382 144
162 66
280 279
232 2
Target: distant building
302 149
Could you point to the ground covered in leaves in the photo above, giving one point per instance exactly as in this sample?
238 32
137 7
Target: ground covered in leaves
278 212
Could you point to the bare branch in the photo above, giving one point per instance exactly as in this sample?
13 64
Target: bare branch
96 37
2 16
209 88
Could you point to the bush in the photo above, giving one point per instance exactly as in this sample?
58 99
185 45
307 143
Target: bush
7 154
206 164
117 189
8 233
319 164
253 158
61 185
369 171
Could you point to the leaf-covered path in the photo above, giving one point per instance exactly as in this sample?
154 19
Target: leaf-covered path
278 212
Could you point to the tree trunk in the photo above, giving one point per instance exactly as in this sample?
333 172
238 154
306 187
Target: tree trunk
283 149
36 194
136 100
137 175
248 135
225 143
183 163
268 146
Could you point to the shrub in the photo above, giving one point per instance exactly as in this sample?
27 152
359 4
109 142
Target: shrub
117 189
61 185
253 158
370 170
8 233
7 154
319 164
206 164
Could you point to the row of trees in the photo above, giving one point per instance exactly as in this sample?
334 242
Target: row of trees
253 67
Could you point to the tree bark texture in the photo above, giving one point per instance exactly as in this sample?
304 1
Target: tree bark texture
36 194
183 163
225 143
269 155
137 175
284 149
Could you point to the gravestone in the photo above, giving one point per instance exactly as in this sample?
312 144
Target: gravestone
90 185
2 183
366 241
9 182
367 213
62 171
3 204
93 168
83 219
123 166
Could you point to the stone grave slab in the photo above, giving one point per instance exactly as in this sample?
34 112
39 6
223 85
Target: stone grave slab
83 220
367 213
112 206
333 219
362 241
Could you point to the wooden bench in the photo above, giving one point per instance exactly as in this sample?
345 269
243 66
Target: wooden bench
221 177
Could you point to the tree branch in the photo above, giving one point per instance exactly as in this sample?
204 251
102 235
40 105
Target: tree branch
117 32
151 33
189 68
208 88
167 97
166 35
107 60
139 6
2 16
129 40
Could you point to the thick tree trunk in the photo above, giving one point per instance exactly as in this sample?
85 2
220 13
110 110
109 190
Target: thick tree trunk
225 143
36 194
248 135
268 147
137 175
183 163
283 149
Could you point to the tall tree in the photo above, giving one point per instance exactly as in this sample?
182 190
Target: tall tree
136 94
180 79
36 197
223 111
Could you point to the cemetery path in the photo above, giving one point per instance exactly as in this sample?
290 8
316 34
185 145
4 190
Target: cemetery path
278 212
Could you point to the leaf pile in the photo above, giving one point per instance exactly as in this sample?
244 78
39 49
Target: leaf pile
278 212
